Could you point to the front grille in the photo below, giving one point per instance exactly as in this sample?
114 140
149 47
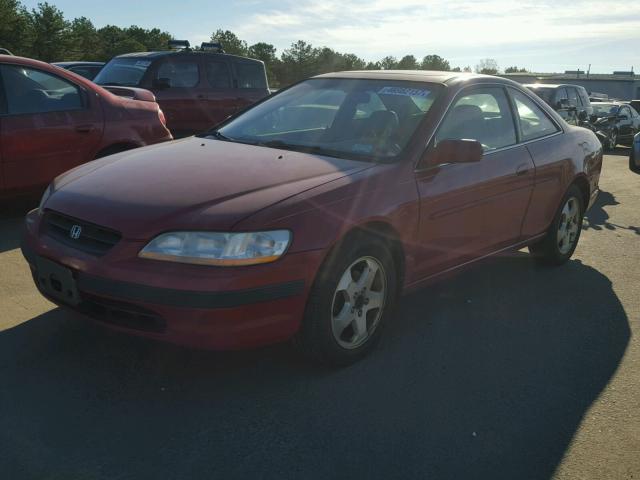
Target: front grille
121 314
92 239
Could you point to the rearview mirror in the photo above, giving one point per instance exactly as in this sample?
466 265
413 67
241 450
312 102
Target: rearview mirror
161 83
453 151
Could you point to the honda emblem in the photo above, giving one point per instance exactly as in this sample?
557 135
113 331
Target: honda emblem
75 232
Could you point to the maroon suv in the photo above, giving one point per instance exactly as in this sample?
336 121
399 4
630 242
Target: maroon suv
307 215
196 89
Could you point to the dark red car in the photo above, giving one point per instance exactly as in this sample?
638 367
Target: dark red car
307 215
52 120
196 88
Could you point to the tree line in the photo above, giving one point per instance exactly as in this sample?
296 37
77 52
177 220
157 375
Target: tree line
44 33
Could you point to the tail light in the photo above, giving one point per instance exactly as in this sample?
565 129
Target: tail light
162 118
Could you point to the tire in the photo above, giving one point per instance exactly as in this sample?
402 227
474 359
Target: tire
552 249
342 325
632 161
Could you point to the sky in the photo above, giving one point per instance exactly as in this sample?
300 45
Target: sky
542 35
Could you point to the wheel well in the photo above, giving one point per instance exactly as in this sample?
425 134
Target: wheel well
583 186
385 232
115 148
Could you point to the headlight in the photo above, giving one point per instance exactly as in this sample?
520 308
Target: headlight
43 200
224 249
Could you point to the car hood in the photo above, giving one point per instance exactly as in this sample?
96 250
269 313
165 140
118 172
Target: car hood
193 183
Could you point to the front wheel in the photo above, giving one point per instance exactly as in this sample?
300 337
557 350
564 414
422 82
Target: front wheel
561 239
349 303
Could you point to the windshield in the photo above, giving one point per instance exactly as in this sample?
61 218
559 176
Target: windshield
126 71
604 109
351 118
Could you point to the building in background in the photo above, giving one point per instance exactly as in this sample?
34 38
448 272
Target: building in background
618 85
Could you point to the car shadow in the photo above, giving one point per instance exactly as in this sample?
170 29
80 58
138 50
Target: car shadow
485 375
597 217
619 151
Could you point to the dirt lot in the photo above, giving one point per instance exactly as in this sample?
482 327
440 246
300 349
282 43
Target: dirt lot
506 371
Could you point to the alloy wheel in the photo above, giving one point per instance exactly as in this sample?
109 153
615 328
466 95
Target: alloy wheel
358 302
569 225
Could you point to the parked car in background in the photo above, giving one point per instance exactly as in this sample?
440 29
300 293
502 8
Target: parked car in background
4 51
308 214
52 120
196 89
570 101
88 70
635 104
618 121
634 156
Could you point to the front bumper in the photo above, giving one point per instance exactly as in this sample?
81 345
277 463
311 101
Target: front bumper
199 306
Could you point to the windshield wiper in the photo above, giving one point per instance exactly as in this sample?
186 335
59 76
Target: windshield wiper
218 136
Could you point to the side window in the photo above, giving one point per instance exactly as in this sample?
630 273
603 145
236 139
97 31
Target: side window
573 97
250 75
179 74
534 122
561 95
218 74
484 115
624 111
29 90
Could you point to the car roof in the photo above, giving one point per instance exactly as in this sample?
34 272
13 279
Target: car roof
167 53
72 64
551 85
408 75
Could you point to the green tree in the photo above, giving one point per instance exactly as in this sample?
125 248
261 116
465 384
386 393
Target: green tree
114 41
153 39
84 42
230 42
408 62
388 63
50 33
14 27
435 62
515 70
488 66
297 62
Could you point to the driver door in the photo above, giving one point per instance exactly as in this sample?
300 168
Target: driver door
468 210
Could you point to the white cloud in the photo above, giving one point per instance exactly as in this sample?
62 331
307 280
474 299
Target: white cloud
456 29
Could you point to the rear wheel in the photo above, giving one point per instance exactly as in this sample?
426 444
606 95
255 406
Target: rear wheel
349 303
561 239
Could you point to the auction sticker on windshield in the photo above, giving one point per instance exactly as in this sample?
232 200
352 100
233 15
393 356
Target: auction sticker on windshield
405 92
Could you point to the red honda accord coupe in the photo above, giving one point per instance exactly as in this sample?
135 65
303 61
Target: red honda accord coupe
52 120
307 215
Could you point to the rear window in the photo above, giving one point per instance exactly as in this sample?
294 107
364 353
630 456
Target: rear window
251 75
127 71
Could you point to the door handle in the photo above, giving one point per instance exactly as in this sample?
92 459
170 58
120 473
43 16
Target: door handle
522 169
84 128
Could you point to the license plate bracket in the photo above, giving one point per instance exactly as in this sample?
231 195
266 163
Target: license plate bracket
57 281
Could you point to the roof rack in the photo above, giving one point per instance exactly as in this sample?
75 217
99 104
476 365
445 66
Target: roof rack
179 44
211 47
4 51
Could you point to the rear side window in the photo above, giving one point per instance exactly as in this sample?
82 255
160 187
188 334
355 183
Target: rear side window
483 115
251 75
33 91
534 122
179 74
218 74
573 97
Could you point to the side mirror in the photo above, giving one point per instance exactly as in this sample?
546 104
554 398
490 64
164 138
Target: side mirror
582 116
452 151
161 83
563 103
623 117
